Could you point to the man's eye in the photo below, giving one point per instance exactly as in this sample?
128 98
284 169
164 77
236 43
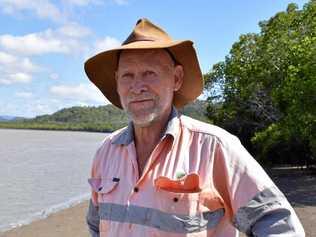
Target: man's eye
149 73
127 75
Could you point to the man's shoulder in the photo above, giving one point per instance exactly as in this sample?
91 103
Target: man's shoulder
108 141
111 137
197 126
101 156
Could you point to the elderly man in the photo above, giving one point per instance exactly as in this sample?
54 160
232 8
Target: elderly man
166 174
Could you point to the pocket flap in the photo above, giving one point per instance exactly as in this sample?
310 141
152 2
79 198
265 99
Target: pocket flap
102 185
187 184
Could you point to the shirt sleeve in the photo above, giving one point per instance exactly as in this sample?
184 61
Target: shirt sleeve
93 220
257 207
92 216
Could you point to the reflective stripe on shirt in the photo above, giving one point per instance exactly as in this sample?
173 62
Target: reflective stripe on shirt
264 202
170 222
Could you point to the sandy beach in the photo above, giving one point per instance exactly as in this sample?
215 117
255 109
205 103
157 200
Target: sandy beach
299 187
69 222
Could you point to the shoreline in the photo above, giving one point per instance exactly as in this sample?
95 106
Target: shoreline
57 130
46 213
66 222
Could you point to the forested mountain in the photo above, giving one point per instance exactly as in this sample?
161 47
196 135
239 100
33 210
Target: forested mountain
100 119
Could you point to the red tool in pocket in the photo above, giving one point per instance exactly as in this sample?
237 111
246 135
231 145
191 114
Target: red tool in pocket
188 184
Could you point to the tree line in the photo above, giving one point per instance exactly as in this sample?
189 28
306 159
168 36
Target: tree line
265 90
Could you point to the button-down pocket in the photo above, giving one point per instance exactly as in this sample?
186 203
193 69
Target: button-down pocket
104 187
185 196
178 196
178 203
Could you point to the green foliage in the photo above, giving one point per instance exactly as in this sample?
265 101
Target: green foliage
268 86
196 110
88 118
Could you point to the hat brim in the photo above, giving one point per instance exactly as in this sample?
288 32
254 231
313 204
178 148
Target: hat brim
101 68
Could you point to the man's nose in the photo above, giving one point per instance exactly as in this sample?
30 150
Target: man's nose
138 85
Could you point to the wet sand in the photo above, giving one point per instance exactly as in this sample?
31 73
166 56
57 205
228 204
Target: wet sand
69 222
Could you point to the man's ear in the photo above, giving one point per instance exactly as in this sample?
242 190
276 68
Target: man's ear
178 77
116 77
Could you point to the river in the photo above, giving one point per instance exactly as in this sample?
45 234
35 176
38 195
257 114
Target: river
42 172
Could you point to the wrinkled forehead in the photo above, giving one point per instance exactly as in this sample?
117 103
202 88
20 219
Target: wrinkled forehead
145 57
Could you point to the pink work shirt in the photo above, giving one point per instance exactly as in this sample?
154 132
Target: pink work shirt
198 181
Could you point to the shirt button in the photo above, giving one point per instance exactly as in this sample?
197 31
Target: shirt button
136 189
175 199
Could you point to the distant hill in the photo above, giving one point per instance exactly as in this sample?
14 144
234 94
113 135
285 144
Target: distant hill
196 110
102 116
99 119
9 118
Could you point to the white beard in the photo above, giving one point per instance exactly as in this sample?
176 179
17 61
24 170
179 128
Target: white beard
143 120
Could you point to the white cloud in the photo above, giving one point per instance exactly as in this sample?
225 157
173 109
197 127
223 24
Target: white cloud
42 8
46 9
55 101
54 76
81 93
24 94
6 58
20 77
121 2
74 30
9 63
84 3
34 44
41 106
101 45
5 81
81 2
62 40
105 44
31 44
16 70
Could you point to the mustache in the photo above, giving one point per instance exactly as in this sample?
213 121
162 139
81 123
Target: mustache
132 98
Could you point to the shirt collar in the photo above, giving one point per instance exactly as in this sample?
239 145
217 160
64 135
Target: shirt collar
127 135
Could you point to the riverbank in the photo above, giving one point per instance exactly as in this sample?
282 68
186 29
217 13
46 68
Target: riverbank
68 222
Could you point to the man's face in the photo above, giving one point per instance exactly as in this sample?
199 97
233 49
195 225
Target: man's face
146 81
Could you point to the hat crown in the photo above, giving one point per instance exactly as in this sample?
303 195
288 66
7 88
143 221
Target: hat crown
146 31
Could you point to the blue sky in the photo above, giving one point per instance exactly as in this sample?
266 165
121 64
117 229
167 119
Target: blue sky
44 43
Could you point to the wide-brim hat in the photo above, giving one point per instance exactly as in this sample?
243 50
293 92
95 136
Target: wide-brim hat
101 68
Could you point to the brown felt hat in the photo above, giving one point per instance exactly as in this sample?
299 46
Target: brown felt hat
101 67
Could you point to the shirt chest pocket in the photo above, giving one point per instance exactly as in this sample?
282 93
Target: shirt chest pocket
106 188
187 208
176 202
178 196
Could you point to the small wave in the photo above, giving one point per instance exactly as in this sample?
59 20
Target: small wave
46 212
